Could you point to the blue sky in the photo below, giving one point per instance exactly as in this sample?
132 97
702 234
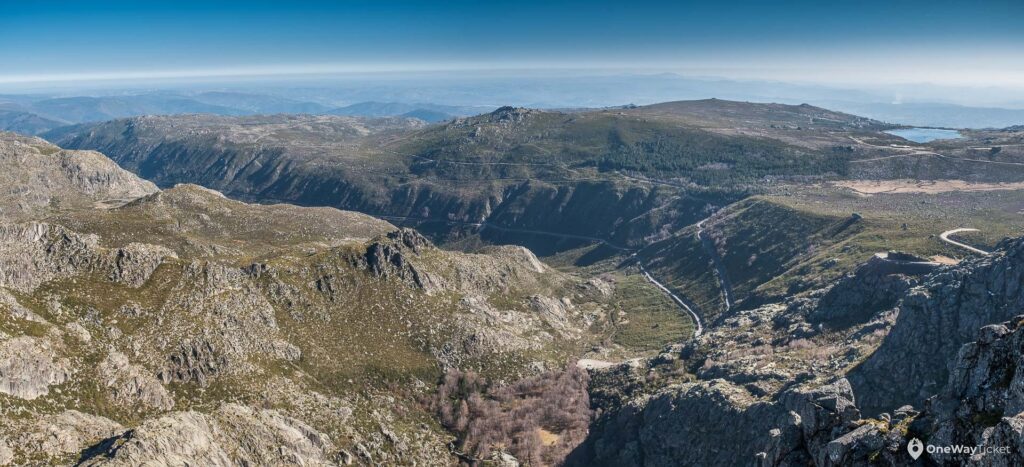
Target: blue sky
893 40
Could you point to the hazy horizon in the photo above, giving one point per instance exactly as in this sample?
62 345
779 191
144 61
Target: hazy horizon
883 60
951 44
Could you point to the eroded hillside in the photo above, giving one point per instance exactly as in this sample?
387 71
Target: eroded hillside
182 326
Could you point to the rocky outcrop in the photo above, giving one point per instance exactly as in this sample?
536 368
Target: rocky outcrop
228 323
134 263
935 319
500 270
875 286
409 238
233 435
195 361
34 253
10 305
815 418
503 459
388 257
523 255
66 433
407 256
485 330
79 332
38 176
979 415
6 453
290 441
560 314
29 366
181 438
705 423
132 385
599 286
509 114
982 403
718 423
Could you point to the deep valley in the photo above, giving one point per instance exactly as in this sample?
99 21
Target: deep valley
626 286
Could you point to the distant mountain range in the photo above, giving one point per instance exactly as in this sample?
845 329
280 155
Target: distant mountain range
13 118
34 115
424 111
435 99
402 169
932 114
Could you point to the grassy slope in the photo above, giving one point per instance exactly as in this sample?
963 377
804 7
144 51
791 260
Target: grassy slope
683 265
649 320
777 245
557 145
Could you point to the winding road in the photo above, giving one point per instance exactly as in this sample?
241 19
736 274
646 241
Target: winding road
944 236
914 151
698 328
723 277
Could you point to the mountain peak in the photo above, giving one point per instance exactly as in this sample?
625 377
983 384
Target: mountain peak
510 114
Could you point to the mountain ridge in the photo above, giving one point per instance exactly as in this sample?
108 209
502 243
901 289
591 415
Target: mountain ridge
183 325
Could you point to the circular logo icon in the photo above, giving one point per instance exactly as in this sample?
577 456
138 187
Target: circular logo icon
915 447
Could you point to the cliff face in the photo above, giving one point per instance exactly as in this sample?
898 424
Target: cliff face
718 423
846 375
935 319
978 413
982 403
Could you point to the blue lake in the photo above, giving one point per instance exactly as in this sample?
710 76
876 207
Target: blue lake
924 135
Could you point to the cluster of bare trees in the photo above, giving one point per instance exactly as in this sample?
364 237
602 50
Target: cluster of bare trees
539 420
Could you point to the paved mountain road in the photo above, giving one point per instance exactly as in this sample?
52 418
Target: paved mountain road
944 236
688 308
698 328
